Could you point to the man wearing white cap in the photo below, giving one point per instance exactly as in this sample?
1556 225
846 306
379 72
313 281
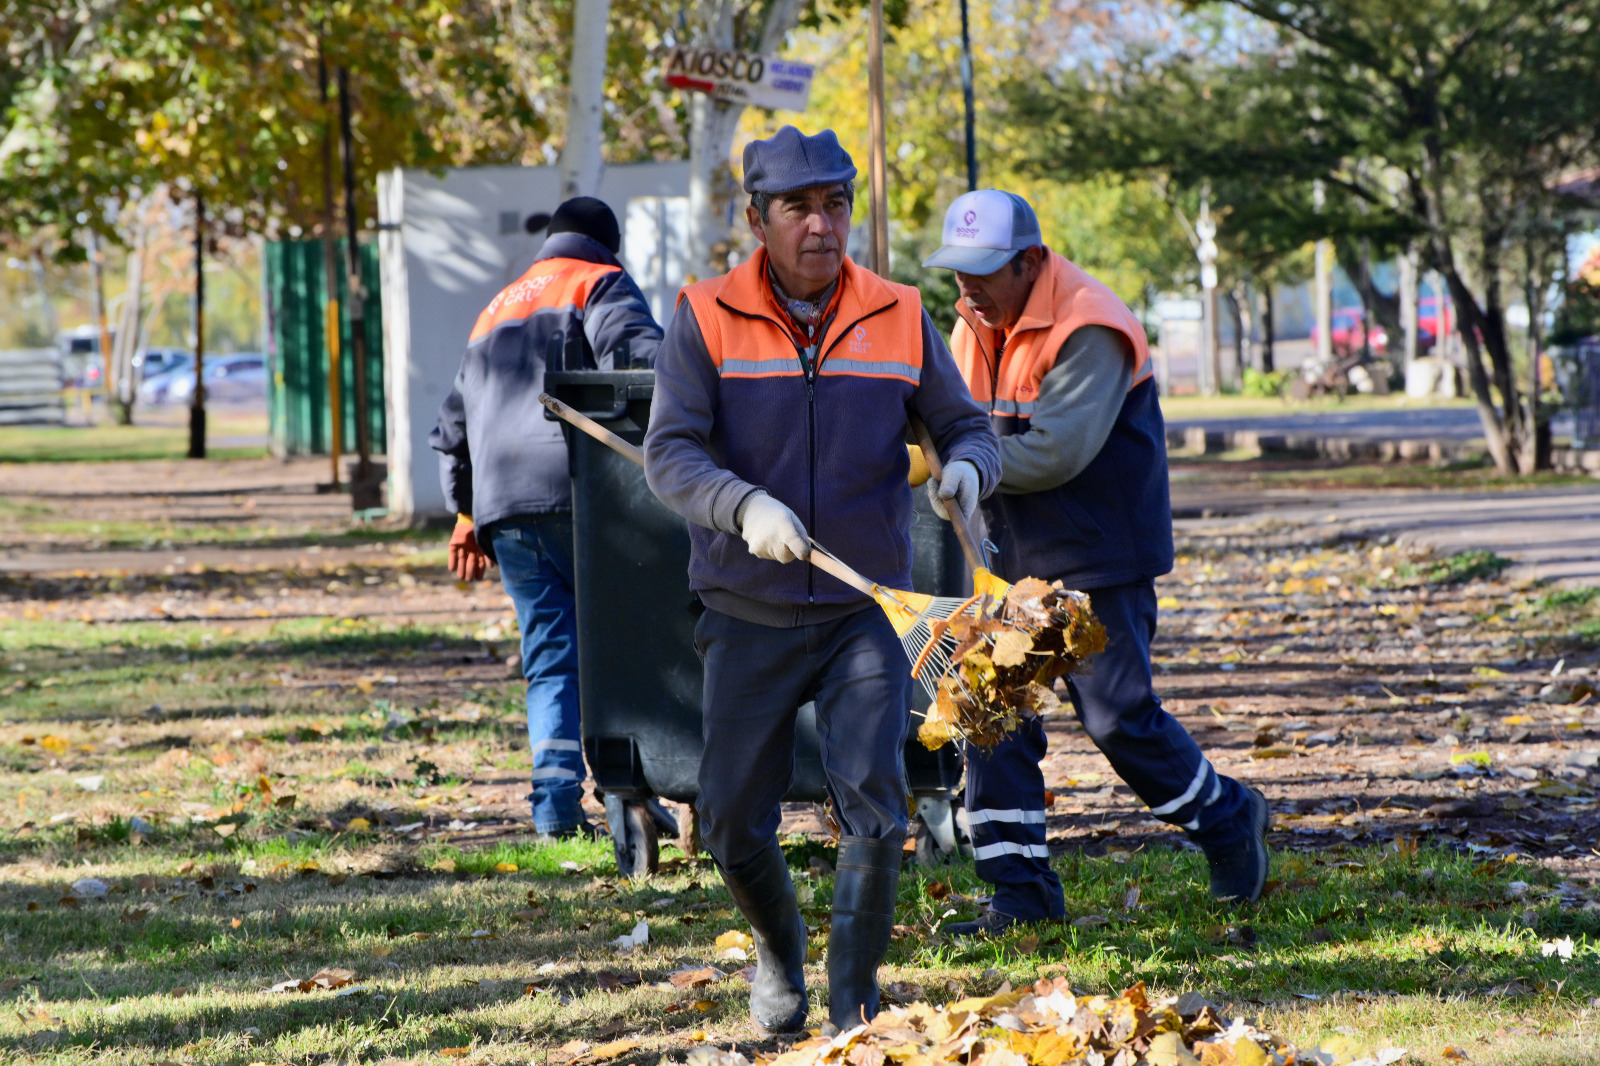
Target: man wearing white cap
1063 368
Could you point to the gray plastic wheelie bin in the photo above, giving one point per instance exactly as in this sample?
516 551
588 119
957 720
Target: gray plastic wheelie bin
638 675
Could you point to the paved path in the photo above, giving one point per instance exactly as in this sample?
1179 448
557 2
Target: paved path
1416 423
1549 534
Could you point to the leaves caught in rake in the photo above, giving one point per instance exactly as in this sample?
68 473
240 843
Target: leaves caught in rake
993 665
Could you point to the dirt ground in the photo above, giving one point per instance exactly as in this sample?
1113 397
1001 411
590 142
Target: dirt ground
1372 703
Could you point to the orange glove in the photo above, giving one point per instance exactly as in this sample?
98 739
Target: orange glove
466 559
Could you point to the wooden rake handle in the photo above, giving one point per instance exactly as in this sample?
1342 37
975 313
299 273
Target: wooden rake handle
820 557
969 546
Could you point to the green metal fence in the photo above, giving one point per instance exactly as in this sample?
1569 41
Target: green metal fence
297 397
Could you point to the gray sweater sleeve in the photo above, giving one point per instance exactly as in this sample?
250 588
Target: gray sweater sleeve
1079 400
679 461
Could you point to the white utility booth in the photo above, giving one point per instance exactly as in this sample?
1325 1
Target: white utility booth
449 241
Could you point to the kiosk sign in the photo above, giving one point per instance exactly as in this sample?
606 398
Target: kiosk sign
740 77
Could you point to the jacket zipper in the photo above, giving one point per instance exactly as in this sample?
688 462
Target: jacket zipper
994 364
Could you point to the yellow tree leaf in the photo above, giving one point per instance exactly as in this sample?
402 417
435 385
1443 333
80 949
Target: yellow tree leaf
1011 648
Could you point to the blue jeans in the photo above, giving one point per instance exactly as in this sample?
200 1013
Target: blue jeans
535 558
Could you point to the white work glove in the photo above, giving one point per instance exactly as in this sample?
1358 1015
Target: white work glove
771 530
960 483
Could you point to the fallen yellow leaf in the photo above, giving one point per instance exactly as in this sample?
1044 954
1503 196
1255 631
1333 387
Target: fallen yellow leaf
505 867
613 1050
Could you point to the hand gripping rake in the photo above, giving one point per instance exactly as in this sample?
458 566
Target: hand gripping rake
920 621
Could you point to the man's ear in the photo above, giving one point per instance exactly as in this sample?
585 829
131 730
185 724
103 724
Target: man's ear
1033 262
753 217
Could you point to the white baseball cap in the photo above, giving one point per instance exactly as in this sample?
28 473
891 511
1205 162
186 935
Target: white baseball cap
983 230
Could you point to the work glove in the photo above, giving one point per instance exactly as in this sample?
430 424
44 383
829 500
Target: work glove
466 559
771 530
960 483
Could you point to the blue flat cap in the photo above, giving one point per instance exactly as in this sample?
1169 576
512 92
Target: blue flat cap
789 160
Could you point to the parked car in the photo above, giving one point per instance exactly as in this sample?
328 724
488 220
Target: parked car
1348 331
80 357
228 378
153 361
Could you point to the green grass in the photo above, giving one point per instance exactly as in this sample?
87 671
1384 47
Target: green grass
1456 569
137 534
1568 599
452 948
446 943
77 444
1186 408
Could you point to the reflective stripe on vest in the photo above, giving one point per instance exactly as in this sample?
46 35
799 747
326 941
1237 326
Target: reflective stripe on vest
1063 300
549 283
875 331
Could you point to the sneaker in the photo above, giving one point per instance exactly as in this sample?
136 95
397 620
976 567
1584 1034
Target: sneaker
1239 868
990 922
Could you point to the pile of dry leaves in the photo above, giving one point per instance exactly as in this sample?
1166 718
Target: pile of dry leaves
1003 663
1048 1025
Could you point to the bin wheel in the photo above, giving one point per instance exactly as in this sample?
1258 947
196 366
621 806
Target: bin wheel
634 837
943 835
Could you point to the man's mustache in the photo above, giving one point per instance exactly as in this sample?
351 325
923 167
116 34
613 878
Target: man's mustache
822 246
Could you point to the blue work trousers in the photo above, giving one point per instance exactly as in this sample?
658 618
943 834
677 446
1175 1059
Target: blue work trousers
756 678
535 558
1116 701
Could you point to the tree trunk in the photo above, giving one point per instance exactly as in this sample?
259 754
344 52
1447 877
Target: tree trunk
712 125
586 96
1499 433
1239 301
129 328
1268 363
1357 265
1535 284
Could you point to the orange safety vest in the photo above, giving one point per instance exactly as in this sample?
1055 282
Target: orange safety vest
1112 522
1063 299
875 329
820 427
548 284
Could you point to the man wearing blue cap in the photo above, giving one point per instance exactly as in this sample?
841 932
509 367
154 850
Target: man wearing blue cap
1064 369
782 399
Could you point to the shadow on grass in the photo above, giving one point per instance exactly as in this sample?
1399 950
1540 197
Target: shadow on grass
1378 923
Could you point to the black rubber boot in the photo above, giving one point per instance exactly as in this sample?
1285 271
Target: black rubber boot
764 894
863 921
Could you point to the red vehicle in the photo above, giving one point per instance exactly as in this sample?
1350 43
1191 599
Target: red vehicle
1428 324
1347 328
1348 331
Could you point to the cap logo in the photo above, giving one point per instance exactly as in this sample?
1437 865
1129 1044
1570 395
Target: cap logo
969 228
